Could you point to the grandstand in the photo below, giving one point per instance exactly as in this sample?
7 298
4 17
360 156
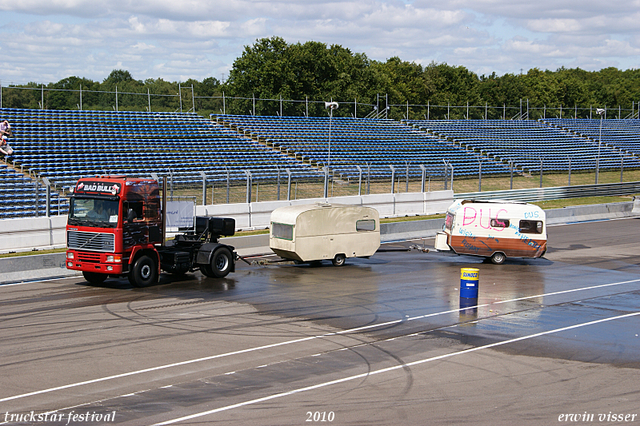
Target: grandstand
620 134
530 145
374 144
65 145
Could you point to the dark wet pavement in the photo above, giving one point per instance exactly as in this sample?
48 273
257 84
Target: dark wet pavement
552 334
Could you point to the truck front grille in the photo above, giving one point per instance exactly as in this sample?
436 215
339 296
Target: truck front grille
91 241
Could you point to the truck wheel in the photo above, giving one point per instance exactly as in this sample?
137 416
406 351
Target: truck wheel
221 262
144 272
94 277
498 258
339 259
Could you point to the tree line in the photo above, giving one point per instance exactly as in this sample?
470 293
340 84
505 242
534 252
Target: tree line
275 77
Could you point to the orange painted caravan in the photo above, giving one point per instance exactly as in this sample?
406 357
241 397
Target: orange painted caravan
494 229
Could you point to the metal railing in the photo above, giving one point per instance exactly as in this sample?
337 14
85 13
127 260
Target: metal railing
180 97
530 195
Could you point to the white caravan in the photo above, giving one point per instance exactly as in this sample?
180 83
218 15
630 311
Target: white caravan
494 229
315 232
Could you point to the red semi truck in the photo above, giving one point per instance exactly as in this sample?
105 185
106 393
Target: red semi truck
117 227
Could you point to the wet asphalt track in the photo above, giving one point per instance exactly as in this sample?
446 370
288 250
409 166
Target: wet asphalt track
380 341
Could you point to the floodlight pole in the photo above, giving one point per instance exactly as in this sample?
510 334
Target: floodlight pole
601 112
331 106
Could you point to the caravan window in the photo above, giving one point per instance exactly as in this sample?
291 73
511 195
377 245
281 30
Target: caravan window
282 231
366 225
499 223
531 226
448 222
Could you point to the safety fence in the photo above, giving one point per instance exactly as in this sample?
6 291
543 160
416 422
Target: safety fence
48 200
183 98
532 195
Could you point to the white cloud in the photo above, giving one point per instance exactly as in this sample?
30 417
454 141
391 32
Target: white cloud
47 40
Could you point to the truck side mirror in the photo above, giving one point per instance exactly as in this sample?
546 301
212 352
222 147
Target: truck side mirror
131 215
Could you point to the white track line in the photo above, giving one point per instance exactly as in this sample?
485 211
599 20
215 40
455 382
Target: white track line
386 370
290 342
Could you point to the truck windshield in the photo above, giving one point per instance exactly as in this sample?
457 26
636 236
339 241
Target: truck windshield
93 212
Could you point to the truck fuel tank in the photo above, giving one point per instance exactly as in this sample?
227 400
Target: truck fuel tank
221 226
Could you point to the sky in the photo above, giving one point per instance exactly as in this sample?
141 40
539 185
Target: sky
45 41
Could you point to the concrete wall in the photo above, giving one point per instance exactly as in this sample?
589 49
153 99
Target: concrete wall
30 233
43 233
256 215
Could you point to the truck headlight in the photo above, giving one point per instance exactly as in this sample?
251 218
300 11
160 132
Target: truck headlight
69 255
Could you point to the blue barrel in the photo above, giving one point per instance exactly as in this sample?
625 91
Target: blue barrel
469 278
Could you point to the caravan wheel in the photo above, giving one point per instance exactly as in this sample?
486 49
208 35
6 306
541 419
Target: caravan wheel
498 258
339 259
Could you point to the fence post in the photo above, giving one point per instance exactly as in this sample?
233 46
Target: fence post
249 183
540 172
204 188
359 180
288 183
480 175
511 174
569 183
47 206
446 173
193 99
171 183
424 172
407 178
621 167
393 179
228 183
36 200
326 182
278 193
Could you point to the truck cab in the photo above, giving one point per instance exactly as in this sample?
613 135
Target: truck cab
116 227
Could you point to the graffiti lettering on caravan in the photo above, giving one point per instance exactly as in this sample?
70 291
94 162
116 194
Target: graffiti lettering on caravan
473 217
525 238
470 246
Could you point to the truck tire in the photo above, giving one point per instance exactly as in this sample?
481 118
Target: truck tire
94 277
498 258
144 272
221 264
339 259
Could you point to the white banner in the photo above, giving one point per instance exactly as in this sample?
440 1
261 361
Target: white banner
180 214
